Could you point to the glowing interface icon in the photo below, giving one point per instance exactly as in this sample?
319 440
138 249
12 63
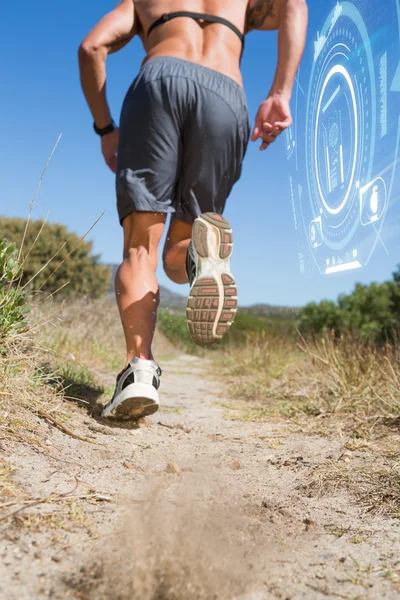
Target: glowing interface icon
316 233
344 146
372 201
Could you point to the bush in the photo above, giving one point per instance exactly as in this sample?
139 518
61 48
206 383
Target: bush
370 313
244 326
321 318
174 326
53 257
175 329
14 302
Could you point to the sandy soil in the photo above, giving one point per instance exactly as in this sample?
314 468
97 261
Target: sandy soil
188 505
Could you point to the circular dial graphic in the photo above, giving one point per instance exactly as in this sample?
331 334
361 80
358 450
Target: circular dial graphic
340 137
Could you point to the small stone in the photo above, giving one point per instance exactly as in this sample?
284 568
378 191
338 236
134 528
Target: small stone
346 457
343 559
236 465
308 523
173 468
273 459
37 554
128 465
56 559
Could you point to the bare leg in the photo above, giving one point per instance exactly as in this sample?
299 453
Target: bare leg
175 250
136 285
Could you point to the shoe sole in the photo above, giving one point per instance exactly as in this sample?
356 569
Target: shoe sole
135 408
212 302
134 402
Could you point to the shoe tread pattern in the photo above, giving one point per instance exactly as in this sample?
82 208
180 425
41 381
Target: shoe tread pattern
204 303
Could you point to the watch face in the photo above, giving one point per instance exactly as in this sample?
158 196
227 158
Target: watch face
343 148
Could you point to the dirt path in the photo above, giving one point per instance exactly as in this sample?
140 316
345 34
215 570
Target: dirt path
190 505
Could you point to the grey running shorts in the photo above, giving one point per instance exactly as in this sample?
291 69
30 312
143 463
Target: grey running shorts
184 130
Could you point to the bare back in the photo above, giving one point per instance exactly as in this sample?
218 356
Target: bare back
213 45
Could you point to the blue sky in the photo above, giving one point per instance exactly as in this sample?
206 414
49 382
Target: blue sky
41 98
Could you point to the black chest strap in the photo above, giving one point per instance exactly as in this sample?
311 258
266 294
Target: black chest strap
197 16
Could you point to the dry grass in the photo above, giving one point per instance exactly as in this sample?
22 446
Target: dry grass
89 334
9 490
376 487
86 333
341 380
70 352
57 349
352 377
335 388
23 393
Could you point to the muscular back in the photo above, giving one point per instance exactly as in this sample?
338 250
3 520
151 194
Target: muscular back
211 44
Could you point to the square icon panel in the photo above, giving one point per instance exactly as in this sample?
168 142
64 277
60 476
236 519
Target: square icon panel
373 200
316 232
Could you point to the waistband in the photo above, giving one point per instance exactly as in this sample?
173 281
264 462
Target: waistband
162 66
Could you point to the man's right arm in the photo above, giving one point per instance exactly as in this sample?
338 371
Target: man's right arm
290 17
111 34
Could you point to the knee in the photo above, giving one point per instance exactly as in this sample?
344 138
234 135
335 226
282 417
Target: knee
141 256
173 276
137 262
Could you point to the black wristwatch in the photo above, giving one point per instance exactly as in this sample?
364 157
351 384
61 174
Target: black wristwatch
104 130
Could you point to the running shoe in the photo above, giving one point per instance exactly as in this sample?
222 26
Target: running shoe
136 391
212 304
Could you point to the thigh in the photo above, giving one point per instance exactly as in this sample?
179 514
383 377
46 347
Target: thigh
149 153
214 145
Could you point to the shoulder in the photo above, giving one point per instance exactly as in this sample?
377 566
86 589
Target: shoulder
262 15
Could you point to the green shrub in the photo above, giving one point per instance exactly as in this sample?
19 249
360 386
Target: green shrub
243 327
173 325
370 313
53 257
14 302
321 318
175 329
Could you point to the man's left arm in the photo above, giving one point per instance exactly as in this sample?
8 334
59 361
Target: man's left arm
111 34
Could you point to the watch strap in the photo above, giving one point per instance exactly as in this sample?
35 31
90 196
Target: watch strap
104 130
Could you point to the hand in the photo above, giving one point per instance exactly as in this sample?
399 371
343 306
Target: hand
273 117
109 148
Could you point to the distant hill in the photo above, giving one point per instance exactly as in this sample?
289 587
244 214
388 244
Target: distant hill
266 310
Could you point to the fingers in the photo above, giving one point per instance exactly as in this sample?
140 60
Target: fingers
255 134
268 135
283 124
268 132
271 130
112 163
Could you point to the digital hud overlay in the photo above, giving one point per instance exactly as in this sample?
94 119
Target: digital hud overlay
343 149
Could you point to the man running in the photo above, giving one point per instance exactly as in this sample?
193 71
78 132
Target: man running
182 137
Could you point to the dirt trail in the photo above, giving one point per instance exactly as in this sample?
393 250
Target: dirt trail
188 505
